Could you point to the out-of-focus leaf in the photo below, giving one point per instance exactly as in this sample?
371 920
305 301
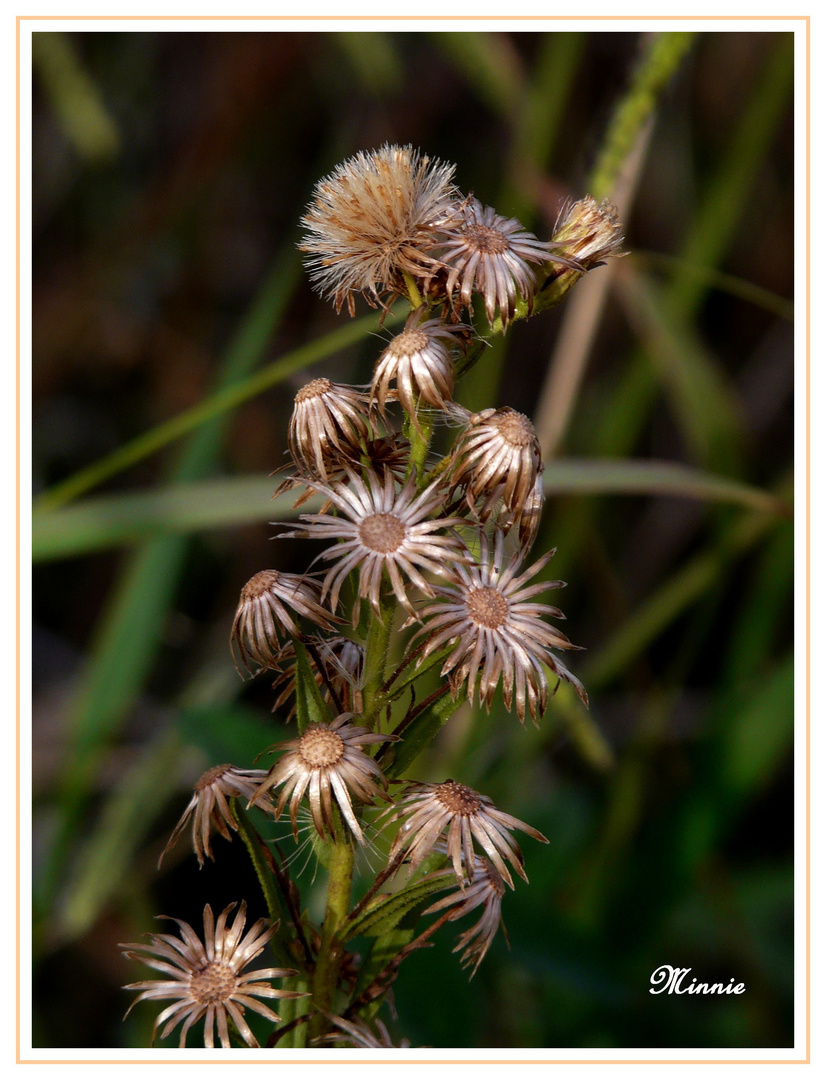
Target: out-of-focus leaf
110 521
759 735
227 732
128 815
489 63
375 60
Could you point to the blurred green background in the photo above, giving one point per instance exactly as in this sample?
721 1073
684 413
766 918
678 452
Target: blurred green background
169 174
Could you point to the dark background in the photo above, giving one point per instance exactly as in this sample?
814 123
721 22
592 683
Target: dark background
169 175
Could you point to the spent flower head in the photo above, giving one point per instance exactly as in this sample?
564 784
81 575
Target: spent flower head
458 815
486 891
489 617
266 614
420 363
382 527
374 219
206 979
589 232
209 807
327 764
492 255
498 463
329 422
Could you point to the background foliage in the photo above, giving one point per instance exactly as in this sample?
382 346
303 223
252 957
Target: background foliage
172 326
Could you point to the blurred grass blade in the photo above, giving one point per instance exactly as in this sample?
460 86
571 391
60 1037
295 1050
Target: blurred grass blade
114 520
712 278
673 598
136 800
374 59
759 735
223 401
662 57
701 398
73 95
129 631
491 66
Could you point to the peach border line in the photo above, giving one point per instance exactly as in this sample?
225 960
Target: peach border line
393 1061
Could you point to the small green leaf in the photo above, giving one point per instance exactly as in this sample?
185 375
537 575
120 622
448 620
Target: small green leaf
310 707
385 913
420 734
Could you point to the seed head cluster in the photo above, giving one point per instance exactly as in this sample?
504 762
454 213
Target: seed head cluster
415 562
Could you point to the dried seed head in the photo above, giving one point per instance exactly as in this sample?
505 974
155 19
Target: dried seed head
461 816
491 255
205 979
589 232
496 630
327 763
382 528
330 422
498 462
486 891
374 219
266 613
209 807
419 361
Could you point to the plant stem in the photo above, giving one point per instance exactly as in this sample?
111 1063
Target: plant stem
330 953
376 650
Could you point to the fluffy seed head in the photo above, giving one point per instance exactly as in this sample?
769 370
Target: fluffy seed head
375 218
589 232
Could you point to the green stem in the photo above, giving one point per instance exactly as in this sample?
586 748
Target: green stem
331 951
376 650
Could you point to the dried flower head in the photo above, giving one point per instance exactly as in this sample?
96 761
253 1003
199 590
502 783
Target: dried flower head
589 232
266 613
419 361
359 1033
491 255
329 422
497 631
327 764
209 807
374 219
498 461
486 891
206 980
381 528
343 663
464 815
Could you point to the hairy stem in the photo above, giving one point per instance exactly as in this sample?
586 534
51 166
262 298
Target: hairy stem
330 953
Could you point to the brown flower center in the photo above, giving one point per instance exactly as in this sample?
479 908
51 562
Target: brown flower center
209 778
257 586
487 240
315 388
320 747
213 984
515 428
407 343
487 607
382 533
457 798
